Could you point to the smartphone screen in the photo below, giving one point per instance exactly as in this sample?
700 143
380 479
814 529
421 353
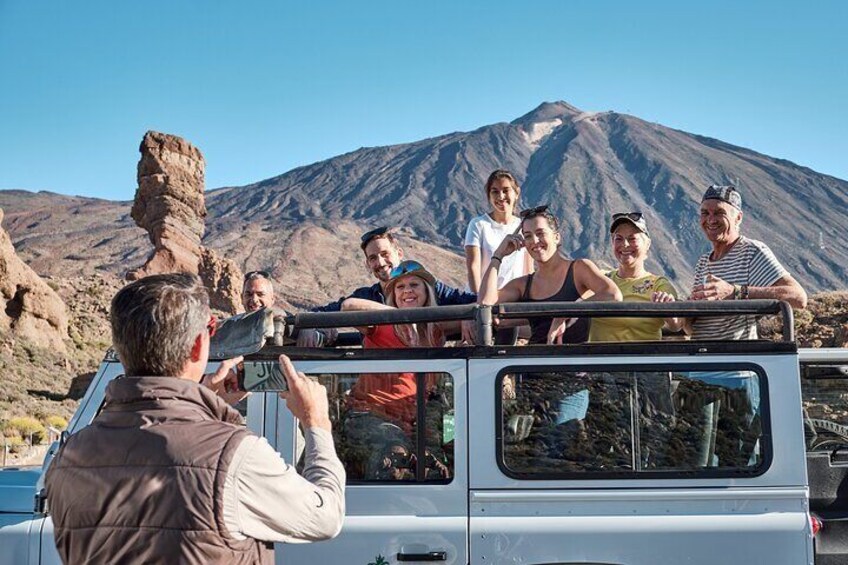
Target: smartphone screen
264 376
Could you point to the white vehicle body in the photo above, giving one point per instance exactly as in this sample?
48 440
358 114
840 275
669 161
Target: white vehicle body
485 514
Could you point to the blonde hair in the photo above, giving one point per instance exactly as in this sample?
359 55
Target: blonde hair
419 335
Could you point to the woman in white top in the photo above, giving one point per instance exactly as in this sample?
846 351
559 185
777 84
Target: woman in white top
486 232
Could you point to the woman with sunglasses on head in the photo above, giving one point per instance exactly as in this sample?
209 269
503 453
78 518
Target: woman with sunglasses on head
556 279
380 398
410 286
630 244
392 395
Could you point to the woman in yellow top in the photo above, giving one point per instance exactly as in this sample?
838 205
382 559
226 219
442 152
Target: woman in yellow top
630 243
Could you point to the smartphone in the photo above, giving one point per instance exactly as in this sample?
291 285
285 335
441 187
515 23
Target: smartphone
263 376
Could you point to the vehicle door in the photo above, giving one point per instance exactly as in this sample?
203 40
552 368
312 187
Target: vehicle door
824 383
406 494
636 460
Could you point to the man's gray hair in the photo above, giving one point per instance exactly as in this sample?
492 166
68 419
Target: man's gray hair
258 276
155 321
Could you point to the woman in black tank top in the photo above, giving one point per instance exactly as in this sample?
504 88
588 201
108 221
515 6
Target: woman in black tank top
578 332
556 279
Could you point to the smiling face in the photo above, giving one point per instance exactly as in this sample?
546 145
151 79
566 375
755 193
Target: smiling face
630 245
257 294
540 240
503 195
720 221
381 256
410 292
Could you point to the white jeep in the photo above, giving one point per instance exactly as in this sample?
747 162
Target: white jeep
617 454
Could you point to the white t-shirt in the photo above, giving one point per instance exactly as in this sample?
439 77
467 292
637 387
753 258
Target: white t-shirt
487 234
748 262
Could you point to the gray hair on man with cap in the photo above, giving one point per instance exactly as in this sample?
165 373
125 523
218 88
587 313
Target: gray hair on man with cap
737 268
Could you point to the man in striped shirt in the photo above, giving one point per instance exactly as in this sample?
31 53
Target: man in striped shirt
737 268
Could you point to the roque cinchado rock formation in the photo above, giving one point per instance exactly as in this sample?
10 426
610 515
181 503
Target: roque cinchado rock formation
29 308
170 204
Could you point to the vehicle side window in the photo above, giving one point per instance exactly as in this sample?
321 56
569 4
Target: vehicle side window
571 424
391 427
825 399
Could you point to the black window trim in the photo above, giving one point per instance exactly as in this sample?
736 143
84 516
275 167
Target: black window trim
765 417
420 439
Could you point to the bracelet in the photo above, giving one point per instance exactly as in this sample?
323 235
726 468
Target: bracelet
744 291
737 292
496 258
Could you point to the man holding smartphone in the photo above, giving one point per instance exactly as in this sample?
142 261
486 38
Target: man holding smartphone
180 479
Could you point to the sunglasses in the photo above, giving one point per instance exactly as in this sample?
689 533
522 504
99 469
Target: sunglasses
530 212
369 235
212 325
252 274
406 268
634 216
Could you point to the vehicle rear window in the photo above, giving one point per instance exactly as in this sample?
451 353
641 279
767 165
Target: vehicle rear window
567 423
825 399
391 427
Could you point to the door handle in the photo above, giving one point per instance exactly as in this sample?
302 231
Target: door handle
429 556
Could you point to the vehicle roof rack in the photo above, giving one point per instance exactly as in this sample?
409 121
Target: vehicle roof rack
483 315
246 334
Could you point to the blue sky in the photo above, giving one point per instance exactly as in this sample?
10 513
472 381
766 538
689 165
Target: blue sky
263 87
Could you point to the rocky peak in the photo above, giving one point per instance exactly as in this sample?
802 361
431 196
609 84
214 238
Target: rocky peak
546 112
29 308
171 205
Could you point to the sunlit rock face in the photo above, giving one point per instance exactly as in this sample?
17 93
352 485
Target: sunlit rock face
170 204
29 308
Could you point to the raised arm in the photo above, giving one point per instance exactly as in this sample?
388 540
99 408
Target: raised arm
589 278
267 499
786 288
489 293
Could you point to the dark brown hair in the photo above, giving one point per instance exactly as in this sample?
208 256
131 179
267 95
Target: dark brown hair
498 174
387 235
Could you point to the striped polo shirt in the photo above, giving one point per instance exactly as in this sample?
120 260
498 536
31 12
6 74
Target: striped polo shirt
748 262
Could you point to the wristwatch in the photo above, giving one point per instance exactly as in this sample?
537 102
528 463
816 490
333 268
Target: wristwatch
743 292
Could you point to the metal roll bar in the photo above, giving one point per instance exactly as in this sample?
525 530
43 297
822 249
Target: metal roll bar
519 310
247 333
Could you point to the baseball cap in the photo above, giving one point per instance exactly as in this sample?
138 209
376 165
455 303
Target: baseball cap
725 193
634 218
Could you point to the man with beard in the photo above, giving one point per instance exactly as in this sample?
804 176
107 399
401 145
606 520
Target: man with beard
382 254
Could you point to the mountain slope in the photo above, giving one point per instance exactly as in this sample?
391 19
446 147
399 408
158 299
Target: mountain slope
585 165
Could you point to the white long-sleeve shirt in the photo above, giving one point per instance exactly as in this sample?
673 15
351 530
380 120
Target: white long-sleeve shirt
266 499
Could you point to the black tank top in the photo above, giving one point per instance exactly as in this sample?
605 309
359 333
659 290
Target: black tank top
578 333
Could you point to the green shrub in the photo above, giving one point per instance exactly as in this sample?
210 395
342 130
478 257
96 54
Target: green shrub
16 445
26 426
57 422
